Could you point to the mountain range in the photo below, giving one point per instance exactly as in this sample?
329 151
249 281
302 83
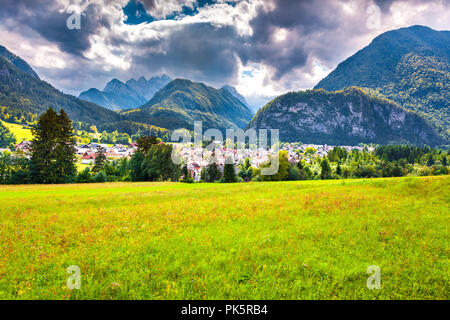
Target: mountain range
24 96
235 94
122 96
182 102
393 91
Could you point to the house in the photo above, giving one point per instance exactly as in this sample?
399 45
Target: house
89 158
81 150
195 171
24 146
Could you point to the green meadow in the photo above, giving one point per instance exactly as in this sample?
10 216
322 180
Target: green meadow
267 240
21 132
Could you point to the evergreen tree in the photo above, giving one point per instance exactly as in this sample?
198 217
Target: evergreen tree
53 149
338 169
66 148
185 173
100 160
326 169
212 172
138 171
430 161
229 174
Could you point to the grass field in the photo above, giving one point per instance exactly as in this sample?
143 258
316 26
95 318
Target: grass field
22 132
287 240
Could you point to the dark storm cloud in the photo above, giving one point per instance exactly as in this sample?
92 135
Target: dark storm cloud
299 19
209 53
49 19
200 50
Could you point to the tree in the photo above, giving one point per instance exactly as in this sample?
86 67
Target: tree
100 159
84 176
185 174
430 160
14 169
144 143
66 148
326 169
6 137
229 174
138 171
338 169
283 168
246 171
53 149
161 166
100 177
212 172
294 173
155 165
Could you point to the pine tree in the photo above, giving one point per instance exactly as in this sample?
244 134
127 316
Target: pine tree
185 173
100 159
229 174
430 160
212 172
338 169
66 148
53 149
326 169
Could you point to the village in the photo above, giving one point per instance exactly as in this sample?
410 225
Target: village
198 158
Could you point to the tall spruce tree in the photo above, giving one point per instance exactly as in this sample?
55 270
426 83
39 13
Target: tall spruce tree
229 175
53 149
100 160
66 148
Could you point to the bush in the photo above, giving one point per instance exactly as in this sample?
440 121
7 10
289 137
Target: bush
100 177
84 176
294 173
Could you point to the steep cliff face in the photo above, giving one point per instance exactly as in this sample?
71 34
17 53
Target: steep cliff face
345 117
410 66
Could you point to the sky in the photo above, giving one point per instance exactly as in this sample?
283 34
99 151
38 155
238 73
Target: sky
264 48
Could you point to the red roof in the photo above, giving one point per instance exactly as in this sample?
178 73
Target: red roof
89 156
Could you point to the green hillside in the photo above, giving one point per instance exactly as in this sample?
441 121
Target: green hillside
182 102
410 66
23 93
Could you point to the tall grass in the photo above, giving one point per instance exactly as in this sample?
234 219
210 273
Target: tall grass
274 240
